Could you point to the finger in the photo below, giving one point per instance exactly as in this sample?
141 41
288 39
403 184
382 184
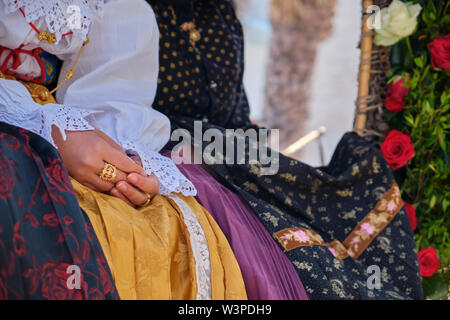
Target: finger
148 184
90 186
137 160
99 184
116 193
122 162
135 196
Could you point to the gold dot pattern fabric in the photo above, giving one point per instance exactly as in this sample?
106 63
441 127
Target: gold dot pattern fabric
202 80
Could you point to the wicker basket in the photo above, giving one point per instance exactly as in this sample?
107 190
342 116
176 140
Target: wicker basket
374 65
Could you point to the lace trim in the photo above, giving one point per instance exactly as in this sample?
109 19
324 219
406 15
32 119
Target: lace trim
61 16
200 249
171 180
18 109
41 121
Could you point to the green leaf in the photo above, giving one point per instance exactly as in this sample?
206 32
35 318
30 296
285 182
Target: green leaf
441 137
419 62
409 120
445 205
431 10
433 201
427 107
444 98
435 288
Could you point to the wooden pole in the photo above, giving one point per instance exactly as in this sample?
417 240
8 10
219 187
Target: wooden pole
304 141
364 70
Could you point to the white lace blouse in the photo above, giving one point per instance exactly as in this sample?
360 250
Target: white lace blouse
114 83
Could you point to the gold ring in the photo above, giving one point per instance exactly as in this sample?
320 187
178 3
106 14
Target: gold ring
149 199
109 172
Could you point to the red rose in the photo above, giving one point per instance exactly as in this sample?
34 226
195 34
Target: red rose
429 262
19 241
54 283
440 52
396 95
397 149
58 176
411 211
51 220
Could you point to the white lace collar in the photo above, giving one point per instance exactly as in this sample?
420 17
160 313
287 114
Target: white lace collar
61 16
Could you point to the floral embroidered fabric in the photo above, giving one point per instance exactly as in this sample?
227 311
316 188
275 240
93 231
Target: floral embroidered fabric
43 231
358 240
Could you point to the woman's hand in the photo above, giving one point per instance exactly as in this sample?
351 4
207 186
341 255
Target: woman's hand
136 187
84 154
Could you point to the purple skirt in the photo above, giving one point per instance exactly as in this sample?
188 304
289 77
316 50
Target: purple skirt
268 273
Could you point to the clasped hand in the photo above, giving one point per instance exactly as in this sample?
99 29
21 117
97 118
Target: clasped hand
85 153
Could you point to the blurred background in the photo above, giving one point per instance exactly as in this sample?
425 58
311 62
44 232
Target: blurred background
302 68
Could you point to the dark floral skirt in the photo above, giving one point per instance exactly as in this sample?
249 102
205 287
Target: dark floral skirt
48 249
343 226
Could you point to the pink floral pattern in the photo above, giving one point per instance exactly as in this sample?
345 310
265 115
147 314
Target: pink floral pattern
358 240
301 235
365 229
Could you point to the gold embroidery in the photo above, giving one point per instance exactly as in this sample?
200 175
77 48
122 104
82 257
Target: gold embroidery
255 170
270 218
309 212
251 186
376 167
315 186
288 177
360 151
355 170
345 193
288 202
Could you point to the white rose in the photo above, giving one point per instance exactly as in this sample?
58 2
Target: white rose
397 21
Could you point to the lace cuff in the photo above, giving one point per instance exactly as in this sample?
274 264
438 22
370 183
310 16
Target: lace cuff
64 118
18 109
171 180
40 121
